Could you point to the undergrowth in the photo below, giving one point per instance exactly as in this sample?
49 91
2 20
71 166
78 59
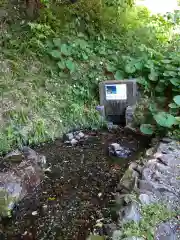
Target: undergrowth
51 67
152 215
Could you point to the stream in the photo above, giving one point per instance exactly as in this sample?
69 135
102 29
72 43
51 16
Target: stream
76 191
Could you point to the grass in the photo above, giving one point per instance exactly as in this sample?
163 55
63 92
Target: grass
38 105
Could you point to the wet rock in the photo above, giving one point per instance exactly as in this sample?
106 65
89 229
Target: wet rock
117 235
117 150
14 156
166 231
131 213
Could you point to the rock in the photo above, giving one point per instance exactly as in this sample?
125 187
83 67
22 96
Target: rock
133 238
111 126
110 228
34 157
169 160
157 154
115 146
127 181
146 199
166 140
74 142
131 213
133 166
145 186
117 150
166 231
69 136
20 181
34 213
14 156
77 137
139 169
149 152
81 134
3 14
117 235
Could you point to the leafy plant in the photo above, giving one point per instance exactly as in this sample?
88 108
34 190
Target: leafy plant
152 215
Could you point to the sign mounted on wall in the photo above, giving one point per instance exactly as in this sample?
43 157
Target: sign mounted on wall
116 96
116 91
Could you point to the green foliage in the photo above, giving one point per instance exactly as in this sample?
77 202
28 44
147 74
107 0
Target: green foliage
147 129
152 215
161 81
57 61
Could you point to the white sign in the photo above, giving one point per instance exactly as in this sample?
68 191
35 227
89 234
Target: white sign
116 91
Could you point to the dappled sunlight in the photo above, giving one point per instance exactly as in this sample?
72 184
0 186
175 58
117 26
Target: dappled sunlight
160 6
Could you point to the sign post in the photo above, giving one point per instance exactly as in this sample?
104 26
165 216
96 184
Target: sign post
116 96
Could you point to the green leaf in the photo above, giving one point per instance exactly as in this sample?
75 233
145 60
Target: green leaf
110 68
153 76
138 65
173 105
70 65
85 56
129 68
57 42
177 100
160 87
147 129
166 61
142 80
175 81
164 119
118 75
61 65
56 54
65 50
169 73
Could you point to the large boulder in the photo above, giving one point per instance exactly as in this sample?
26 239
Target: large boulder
21 179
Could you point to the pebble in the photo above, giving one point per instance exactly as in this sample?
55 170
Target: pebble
99 194
74 141
81 135
34 213
69 136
